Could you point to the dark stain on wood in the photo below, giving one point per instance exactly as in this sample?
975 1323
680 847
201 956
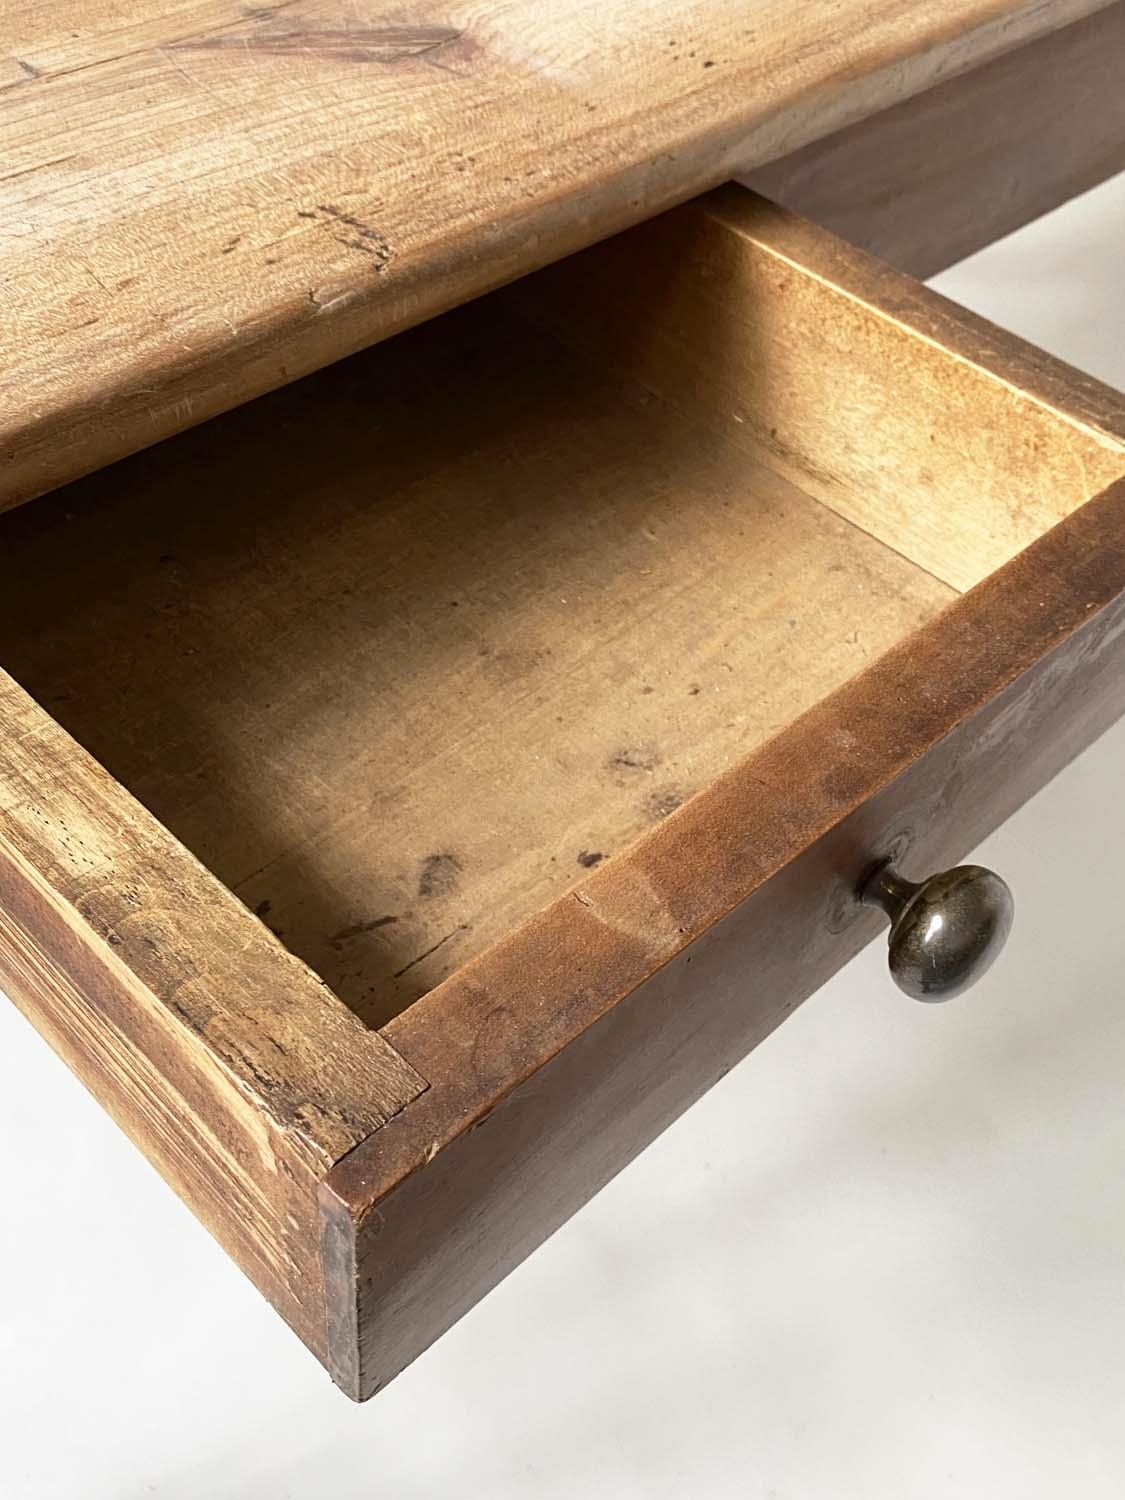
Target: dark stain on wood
635 758
360 929
661 804
439 876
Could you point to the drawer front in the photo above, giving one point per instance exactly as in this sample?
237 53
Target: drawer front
919 759
884 461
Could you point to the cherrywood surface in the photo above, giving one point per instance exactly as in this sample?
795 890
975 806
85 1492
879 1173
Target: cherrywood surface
936 177
201 200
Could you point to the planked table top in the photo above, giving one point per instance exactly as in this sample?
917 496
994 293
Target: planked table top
202 199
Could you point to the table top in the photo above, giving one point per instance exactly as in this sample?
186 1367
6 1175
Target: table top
202 199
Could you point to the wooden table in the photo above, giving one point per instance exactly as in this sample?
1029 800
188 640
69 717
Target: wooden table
418 785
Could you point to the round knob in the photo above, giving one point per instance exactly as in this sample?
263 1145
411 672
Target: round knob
946 931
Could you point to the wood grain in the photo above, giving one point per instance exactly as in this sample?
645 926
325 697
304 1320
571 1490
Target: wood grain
672 962
200 201
931 429
937 177
228 1063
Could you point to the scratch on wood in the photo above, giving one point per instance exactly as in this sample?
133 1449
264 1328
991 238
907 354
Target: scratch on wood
354 234
633 905
324 303
363 237
441 942
385 44
189 78
39 166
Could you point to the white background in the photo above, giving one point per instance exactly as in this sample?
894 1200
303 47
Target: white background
885 1258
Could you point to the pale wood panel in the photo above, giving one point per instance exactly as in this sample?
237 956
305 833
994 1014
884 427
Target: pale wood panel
935 431
202 200
933 179
404 652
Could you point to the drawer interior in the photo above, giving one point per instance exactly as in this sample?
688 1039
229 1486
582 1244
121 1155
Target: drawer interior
404 650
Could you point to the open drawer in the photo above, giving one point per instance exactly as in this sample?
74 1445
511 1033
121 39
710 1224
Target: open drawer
417 786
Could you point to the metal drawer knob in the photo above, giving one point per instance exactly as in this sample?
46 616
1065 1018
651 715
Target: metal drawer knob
946 931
